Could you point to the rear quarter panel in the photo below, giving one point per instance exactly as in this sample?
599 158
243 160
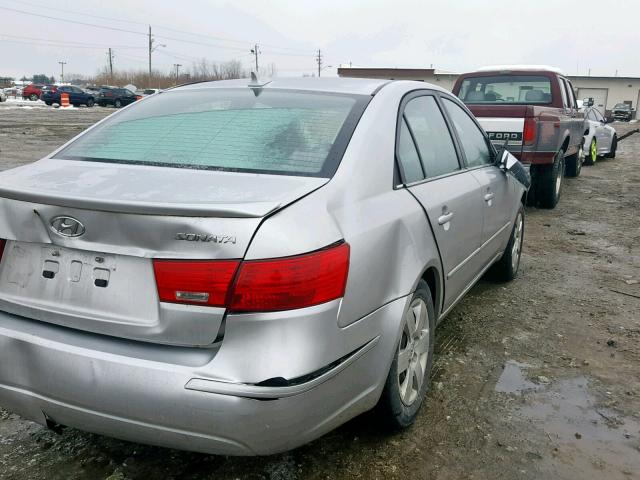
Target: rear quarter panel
390 238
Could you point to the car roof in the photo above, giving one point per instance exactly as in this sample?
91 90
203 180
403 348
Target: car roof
520 68
362 86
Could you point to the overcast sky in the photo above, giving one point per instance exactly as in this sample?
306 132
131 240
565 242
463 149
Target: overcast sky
454 36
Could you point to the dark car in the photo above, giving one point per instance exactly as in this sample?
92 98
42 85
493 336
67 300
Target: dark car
77 96
118 97
622 111
33 91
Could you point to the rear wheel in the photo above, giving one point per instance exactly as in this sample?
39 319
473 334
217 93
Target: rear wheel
549 182
117 103
506 268
575 161
49 103
614 148
408 378
592 154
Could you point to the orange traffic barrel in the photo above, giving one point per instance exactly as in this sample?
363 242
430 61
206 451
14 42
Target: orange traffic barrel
64 99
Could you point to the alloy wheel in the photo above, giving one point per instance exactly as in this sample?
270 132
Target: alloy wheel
413 351
516 250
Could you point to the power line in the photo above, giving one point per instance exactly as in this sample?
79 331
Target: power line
140 33
65 43
50 17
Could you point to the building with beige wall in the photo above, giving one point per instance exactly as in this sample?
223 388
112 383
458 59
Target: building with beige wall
606 91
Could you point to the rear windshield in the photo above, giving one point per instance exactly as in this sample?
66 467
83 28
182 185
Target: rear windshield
268 131
501 89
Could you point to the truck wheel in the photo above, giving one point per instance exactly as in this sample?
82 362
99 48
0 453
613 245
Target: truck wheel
614 147
408 378
592 154
575 161
506 268
549 182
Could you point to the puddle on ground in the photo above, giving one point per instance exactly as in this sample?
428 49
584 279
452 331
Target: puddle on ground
513 380
590 441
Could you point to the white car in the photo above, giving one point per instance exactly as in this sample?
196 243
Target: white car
601 140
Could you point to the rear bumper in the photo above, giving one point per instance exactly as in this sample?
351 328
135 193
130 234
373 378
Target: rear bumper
200 399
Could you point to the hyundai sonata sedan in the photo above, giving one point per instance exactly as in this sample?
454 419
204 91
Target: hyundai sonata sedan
239 267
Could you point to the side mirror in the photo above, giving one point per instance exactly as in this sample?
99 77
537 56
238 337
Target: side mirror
510 164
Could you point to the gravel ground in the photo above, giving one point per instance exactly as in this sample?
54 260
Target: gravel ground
537 379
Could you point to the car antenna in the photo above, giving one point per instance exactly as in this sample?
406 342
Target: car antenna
256 85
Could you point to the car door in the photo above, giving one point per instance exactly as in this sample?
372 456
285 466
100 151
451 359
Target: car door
496 187
128 97
603 133
431 170
577 117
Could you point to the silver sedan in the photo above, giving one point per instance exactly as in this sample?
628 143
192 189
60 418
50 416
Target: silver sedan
238 268
601 139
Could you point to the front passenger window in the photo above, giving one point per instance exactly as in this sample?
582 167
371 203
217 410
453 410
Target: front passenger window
473 140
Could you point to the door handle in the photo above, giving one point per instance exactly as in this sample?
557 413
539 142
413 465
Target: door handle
489 196
446 218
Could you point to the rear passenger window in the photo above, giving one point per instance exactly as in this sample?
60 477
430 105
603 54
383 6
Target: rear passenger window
474 143
408 156
432 136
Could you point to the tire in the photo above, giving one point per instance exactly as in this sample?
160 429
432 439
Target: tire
401 398
89 103
592 154
33 97
117 103
506 269
549 182
574 162
614 148
49 103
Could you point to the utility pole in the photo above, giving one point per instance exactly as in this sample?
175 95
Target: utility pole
110 54
150 50
62 64
256 50
177 65
319 60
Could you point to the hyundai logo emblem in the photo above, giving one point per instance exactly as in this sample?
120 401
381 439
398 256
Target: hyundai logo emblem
67 226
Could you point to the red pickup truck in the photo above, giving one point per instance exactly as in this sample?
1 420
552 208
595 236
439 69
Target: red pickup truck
533 110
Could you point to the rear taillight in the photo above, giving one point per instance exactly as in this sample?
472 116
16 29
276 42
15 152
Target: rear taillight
530 131
259 285
3 242
293 282
199 282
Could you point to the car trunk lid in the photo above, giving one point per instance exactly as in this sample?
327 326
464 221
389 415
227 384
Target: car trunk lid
81 237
